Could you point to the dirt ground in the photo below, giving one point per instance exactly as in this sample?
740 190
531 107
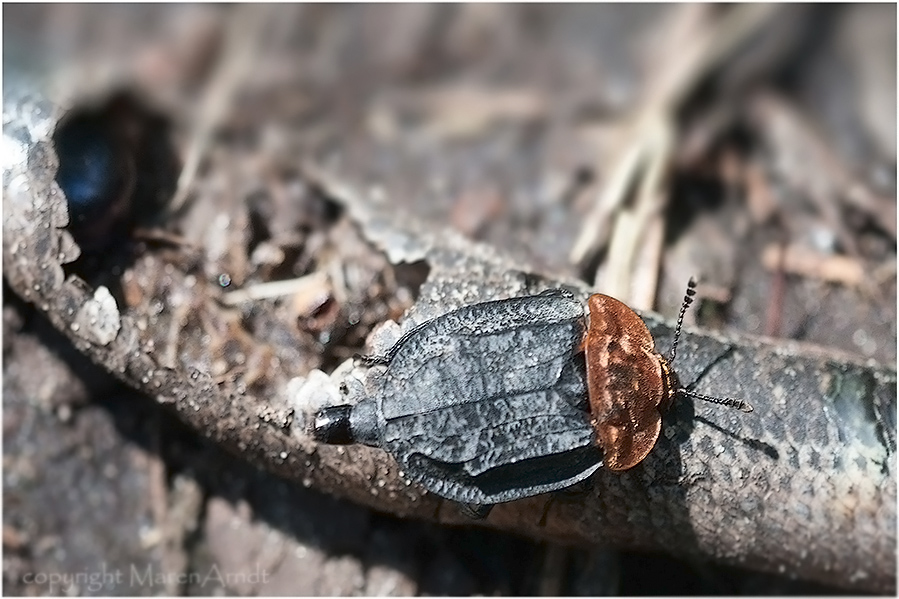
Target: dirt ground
505 123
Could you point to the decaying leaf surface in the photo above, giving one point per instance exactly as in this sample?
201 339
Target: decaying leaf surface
804 485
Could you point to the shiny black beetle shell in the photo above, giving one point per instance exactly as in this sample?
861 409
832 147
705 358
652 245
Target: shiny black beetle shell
484 404
97 176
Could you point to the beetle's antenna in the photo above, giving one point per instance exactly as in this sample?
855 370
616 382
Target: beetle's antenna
688 299
723 401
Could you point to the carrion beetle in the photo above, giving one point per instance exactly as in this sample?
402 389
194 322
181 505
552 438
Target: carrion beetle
489 403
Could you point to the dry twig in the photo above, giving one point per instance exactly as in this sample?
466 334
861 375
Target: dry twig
695 47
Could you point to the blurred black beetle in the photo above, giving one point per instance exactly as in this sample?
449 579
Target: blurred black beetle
117 169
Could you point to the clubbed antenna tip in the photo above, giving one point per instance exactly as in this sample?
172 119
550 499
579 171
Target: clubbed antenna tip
688 300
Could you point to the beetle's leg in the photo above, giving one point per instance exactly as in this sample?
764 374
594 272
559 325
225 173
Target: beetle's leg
372 360
557 292
475 511
569 494
577 490
546 506
388 357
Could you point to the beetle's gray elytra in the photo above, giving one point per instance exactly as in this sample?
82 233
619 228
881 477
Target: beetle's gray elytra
484 404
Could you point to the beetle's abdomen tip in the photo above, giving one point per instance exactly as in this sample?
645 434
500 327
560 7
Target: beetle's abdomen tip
332 425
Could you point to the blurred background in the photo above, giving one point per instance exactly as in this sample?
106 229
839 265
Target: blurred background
628 146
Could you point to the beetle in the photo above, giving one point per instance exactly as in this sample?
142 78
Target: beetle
507 399
116 168
484 404
97 176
